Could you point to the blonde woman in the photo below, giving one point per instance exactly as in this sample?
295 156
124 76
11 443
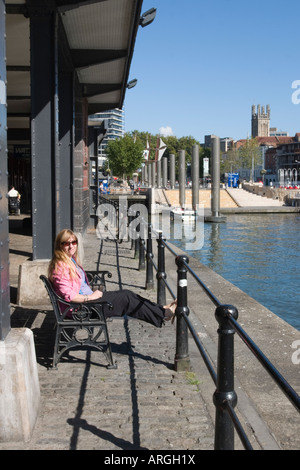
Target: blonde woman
70 282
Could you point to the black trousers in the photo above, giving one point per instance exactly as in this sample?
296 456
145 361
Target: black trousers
126 302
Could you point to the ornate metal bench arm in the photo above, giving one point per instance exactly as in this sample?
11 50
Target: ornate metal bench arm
97 279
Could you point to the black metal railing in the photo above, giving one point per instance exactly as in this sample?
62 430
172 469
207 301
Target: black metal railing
225 397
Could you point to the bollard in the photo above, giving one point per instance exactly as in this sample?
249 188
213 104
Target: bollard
182 178
195 177
161 274
149 257
224 428
158 165
153 178
182 360
164 172
215 216
172 171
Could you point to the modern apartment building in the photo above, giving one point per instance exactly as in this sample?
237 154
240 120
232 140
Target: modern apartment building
114 125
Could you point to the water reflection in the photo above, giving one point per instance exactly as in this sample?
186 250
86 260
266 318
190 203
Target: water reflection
259 253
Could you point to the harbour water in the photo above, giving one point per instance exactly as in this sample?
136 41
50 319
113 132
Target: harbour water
259 253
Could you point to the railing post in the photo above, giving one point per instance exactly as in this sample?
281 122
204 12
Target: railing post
149 257
141 254
161 274
182 360
224 428
136 248
130 219
137 242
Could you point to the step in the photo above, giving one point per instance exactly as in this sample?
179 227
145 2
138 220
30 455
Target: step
246 199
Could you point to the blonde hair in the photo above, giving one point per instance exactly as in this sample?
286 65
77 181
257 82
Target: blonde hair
60 257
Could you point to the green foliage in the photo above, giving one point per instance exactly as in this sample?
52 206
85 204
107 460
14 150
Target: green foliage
231 161
191 378
125 155
247 155
173 146
250 152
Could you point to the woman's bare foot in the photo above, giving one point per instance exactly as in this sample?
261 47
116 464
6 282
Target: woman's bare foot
170 311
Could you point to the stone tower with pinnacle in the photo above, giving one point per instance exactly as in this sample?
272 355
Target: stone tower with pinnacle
260 121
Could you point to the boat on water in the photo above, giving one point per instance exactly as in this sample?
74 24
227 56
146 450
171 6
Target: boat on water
183 214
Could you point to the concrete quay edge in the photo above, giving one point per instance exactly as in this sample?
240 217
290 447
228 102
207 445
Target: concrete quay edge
260 210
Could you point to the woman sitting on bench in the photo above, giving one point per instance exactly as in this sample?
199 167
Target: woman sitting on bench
70 282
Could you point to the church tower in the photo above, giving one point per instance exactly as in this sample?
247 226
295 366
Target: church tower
260 121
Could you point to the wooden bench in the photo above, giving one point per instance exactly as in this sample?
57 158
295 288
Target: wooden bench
80 325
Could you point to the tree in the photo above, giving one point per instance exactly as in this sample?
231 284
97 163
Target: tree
125 155
250 154
173 145
246 157
231 161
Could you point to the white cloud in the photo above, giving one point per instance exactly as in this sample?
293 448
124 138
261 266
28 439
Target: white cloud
166 131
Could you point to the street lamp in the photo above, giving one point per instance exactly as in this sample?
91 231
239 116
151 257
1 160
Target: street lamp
147 17
132 83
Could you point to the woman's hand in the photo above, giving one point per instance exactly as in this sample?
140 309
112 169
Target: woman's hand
96 295
85 298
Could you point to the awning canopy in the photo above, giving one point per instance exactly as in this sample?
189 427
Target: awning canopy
100 35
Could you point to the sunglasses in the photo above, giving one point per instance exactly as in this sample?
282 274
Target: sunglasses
73 243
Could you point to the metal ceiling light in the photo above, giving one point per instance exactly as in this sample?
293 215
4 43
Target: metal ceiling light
147 17
132 83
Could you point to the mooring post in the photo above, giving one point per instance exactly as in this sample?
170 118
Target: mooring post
182 177
195 177
172 170
215 216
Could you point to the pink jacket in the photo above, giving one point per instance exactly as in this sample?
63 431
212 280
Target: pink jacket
64 285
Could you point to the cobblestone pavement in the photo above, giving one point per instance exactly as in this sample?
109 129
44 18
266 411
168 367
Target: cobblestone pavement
142 405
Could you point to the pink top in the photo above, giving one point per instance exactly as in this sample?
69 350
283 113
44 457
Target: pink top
64 285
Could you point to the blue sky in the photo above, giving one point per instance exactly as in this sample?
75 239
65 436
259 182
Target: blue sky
202 64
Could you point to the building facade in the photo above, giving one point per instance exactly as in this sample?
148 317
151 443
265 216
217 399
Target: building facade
114 124
55 72
60 62
288 162
274 132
